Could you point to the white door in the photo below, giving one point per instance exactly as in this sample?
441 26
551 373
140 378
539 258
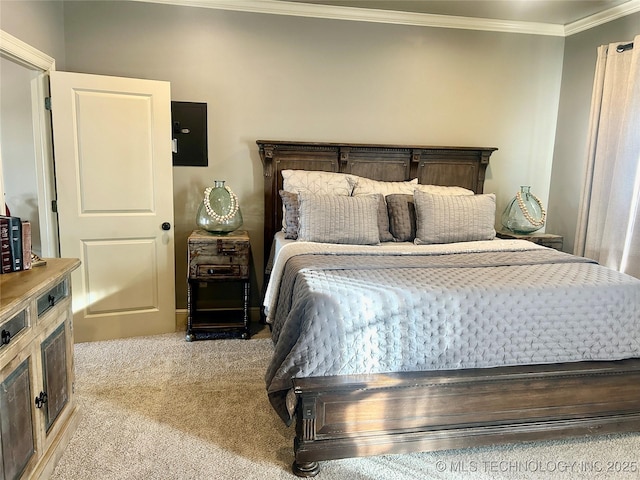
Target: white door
113 168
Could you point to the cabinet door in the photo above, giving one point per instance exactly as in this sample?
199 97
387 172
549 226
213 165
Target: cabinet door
16 422
54 372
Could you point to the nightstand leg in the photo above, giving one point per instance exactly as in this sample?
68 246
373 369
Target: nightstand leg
247 294
191 308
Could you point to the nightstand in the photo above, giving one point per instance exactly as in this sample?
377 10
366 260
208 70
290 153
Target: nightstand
545 239
215 260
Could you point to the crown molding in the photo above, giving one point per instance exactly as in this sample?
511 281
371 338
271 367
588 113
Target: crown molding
407 18
24 53
605 16
370 15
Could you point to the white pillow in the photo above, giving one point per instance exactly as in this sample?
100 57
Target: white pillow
318 182
366 186
314 181
454 218
338 219
442 190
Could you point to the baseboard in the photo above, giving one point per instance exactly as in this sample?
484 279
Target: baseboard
181 320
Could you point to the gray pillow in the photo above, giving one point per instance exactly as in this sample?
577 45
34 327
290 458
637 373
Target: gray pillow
339 219
454 218
291 214
402 217
383 219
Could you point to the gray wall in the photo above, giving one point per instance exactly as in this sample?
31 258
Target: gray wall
41 25
38 23
569 158
288 78
17 145
292 78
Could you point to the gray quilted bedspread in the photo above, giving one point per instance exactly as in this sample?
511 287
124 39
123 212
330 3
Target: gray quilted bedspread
353 314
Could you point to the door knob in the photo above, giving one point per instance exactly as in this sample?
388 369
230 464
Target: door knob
166 226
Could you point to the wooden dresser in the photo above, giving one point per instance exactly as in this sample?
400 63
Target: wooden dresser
38 412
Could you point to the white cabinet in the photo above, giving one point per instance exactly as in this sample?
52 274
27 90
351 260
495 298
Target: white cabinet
38 412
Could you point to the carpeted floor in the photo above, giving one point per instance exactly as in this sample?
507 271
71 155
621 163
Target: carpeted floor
161 408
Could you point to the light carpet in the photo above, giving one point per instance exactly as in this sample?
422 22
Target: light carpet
161 408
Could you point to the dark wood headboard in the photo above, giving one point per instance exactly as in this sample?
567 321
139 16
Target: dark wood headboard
451 166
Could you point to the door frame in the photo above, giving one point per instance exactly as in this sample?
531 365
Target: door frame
24 54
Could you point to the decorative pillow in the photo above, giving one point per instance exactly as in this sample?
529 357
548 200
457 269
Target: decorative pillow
312 181
291 214
383 219
339 219
402 217
366 186
454 218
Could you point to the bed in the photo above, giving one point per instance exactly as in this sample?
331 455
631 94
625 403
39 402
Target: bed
429 342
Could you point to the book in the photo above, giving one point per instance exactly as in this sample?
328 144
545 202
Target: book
15 241
26 245
5 247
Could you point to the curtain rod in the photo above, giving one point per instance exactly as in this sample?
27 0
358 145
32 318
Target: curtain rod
624 47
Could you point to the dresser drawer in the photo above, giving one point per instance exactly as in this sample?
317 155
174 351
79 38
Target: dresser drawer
52 297
12 327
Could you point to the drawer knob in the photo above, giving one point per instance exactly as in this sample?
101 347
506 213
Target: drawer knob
220 271
41 400
6 337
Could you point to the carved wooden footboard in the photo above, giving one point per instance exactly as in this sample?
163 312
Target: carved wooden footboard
351 416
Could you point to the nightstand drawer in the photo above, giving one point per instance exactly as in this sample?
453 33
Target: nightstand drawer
212 257
221 247
545 239
231 247
203 253
205 271
203 266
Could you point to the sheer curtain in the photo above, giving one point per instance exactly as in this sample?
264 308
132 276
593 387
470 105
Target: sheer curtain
609 220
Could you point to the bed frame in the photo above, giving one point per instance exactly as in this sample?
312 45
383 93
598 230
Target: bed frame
359 415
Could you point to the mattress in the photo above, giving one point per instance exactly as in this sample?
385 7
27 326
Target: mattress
341 309
279 241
